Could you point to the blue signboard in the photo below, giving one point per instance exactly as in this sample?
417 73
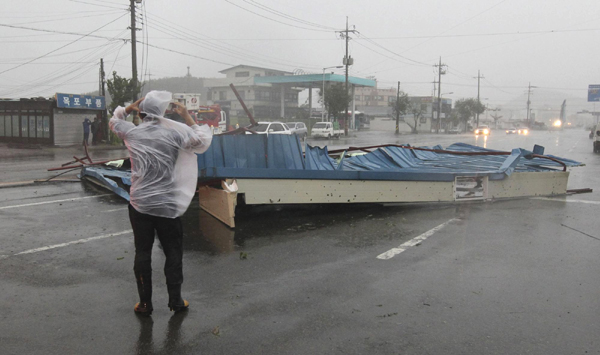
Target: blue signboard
594 93
85 102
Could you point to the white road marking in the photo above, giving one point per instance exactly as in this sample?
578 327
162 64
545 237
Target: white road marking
416 240
61 245
566 200
574 145
116 209
54 201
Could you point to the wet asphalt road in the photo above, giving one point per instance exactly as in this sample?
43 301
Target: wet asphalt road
509 277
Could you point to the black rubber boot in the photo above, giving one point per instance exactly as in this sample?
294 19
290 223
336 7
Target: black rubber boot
144 285
176 303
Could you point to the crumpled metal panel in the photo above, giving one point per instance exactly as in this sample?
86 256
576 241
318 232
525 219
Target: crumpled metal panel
280 156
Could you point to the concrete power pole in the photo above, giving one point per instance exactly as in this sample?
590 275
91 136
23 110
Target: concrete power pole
529 103
478 101
397 110
439 98
103 93
347 62
134 81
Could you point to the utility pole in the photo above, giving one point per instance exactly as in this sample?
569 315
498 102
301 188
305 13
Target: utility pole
478 101
439 98
103 93
398 110
134 81
347 62
529 103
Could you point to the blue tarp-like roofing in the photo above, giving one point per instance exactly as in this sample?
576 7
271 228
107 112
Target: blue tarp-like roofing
281 157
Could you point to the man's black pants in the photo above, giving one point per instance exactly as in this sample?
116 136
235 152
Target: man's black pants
170 235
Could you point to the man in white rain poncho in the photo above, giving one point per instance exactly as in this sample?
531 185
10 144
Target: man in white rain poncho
164 173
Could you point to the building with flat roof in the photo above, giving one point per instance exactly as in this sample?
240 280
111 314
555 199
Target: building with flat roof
270 93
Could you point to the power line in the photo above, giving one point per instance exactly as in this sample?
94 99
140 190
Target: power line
459 24
392 52
281 22
186 54
63 32
61 47
492 34
284 15
96 14
62 72
192 37
90 3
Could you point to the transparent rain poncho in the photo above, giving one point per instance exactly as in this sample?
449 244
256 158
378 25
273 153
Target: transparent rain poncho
164 168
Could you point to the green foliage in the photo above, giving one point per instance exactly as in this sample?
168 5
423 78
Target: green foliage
415 108
401 105
336 99
121 90
468 108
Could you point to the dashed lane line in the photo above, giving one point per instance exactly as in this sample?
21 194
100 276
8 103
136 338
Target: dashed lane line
54 201
415 241
62 245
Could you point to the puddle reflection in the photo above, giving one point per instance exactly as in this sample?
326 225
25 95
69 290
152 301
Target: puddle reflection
484 140
207 234
172 341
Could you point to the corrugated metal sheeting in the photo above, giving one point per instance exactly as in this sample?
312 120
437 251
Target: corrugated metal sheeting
281 157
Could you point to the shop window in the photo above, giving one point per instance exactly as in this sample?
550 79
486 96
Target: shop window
15 125
46 125
40 127
1 124
32 126
24 132
242 74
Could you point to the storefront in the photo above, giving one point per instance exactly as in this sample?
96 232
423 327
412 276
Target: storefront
26 121
57 121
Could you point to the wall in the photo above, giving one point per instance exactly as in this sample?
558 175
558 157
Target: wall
68 126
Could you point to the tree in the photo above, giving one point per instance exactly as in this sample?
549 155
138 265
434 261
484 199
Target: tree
468 108
415 108
120 90
400 107
496 118
336 99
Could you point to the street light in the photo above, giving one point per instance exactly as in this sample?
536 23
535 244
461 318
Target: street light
323 103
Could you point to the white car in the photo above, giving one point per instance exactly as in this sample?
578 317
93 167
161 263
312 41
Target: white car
271 128
298 128
485 130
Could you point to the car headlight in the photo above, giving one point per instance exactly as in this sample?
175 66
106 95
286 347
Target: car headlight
485 131
525 131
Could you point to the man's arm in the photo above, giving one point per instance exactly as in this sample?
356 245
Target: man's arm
183 112
199 138
118 124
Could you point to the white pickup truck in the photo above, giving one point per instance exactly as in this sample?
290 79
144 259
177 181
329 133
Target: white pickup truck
325 130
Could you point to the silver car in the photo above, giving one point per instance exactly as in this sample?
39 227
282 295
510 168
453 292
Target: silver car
298 128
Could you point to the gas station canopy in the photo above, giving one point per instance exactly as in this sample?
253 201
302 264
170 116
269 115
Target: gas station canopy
312 80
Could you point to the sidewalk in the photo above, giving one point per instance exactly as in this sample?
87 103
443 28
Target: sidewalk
17 150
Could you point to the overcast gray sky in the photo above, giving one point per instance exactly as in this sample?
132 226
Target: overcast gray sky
551 43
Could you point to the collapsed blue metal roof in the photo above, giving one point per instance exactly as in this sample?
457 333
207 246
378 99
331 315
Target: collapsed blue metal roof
281 157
